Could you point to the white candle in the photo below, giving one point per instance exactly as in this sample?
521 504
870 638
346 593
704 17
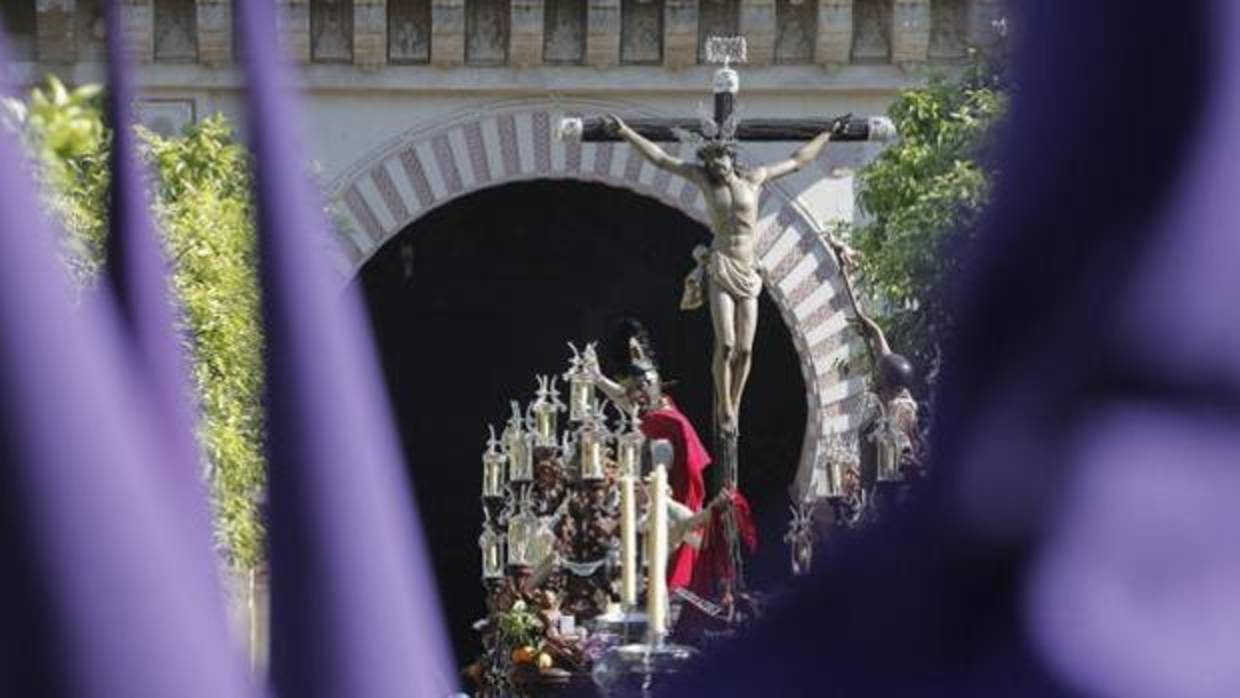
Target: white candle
656 583
628 543
592 456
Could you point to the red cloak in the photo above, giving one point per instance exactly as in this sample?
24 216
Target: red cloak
686 479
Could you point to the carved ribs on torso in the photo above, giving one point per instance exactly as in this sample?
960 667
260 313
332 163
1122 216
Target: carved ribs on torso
733 210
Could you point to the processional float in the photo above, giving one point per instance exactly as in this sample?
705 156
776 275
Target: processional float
576 522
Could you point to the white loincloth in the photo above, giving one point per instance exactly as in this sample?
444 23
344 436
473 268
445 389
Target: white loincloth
740 281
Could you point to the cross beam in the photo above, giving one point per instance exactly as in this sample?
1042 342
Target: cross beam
595 130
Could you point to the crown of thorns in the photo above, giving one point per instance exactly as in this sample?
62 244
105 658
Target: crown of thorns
711 138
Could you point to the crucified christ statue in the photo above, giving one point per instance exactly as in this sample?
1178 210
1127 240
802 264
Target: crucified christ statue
730 265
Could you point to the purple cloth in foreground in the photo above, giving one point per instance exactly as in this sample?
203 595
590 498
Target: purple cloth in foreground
1080 534
140 284
97 599
354 604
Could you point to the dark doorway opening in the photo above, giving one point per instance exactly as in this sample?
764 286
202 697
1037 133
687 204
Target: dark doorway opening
475 298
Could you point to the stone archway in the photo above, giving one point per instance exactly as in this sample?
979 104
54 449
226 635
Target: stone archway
428 166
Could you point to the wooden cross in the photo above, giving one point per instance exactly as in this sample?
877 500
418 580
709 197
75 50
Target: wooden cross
725 51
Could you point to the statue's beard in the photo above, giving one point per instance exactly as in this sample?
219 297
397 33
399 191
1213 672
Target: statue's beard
715 176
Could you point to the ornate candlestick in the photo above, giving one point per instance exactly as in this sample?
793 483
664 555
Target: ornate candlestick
519 448
522 530
582 398
629 445
886 440
545 411
493 460
491 542
800 537
592 446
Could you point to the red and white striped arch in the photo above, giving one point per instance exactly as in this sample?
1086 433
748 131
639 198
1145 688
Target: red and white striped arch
435 163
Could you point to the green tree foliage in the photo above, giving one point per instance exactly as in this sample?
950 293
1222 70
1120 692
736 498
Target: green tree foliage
201 187
204 206
66 136
926 190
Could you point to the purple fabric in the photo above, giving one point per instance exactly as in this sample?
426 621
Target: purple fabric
354 605
139 281
96 600
1080 534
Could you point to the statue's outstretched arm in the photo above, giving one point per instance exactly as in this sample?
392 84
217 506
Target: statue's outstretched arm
613 390
651 152
799 160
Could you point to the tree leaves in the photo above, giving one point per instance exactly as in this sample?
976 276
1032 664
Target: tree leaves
924 190
202 200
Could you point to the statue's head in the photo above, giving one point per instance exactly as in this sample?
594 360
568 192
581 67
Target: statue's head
895 373
644 385
634 358
719 159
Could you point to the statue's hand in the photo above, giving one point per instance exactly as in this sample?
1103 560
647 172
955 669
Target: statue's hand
847 255
613 124
840 124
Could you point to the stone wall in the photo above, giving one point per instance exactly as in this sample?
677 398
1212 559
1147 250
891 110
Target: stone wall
411 103
668 33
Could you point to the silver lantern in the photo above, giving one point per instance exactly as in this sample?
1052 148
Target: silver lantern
491 543
493 460
580 377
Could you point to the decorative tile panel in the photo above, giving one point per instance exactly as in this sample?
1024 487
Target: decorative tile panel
796 22
486 31
641 31
331 31
176 39
409 31
564 31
